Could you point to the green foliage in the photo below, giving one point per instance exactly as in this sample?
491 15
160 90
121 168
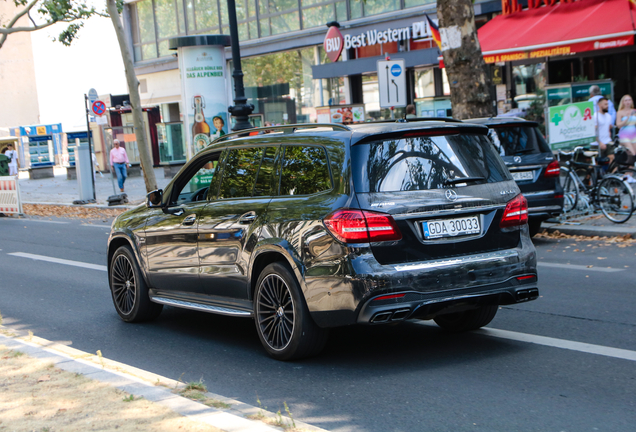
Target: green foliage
49 12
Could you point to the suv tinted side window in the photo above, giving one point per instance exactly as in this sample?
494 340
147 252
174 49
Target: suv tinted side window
239 173
305 171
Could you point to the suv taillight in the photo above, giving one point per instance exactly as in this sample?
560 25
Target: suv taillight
359 226
553 169
516 212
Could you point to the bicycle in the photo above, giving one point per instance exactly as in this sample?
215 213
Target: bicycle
586 185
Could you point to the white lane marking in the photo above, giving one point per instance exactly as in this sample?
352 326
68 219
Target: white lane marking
96 226
561 343
551 342
42 221
579 267
59 261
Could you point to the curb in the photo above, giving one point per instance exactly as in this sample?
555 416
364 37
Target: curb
591 231
150 386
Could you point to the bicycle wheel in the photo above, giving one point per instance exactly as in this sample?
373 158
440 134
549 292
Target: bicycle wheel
615 199
570 190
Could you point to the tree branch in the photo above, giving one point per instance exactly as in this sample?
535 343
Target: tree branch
21 14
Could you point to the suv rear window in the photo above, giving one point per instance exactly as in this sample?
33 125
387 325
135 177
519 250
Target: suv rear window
422 163
515 140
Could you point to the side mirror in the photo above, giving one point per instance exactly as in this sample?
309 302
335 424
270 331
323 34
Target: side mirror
154 198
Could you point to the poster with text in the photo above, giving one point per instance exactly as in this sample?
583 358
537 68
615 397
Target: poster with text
203 89
571 125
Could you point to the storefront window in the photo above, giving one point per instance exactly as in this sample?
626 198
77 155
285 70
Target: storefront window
374 7
413 3
529 81
424 83
280 86
171 142
207 16
285 23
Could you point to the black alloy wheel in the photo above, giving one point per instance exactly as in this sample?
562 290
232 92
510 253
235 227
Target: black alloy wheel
129 289
283 323
123 283
275 312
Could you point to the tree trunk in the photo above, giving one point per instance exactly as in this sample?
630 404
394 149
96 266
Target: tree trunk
135 100
467 73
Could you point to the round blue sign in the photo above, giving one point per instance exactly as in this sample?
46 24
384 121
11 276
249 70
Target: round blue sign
396 70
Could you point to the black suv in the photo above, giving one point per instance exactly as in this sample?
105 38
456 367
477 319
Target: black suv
308 227
531 163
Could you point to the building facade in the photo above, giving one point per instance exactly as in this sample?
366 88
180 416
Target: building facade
289 78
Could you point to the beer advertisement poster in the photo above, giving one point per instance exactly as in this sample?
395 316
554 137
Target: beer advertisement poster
203 80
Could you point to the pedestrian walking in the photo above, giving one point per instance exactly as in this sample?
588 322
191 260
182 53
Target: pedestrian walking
595 97
118 162
4 164
603 124
626 121
13 156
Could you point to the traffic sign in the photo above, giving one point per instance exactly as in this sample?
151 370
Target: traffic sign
92 96
392 83
98 107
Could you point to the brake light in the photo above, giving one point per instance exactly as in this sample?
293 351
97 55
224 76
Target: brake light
516 212
359 226
431 133
553 169
389 297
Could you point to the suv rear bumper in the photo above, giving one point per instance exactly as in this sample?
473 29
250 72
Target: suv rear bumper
426 288
543 205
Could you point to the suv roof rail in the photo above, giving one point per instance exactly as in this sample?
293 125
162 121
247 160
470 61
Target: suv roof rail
416 119
286 129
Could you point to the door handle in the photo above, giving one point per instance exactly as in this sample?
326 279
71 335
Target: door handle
189 220
248 217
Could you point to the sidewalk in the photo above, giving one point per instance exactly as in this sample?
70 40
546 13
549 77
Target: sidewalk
593 225
49 386
59 190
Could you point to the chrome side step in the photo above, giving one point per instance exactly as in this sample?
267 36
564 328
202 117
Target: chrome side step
201 307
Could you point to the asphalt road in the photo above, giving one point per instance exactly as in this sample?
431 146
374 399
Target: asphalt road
408 377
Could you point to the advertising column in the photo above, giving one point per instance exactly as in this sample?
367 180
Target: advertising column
204 92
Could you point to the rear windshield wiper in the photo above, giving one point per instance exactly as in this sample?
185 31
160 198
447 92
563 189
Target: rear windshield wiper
463 180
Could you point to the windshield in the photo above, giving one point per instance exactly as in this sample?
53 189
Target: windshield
514 140
423 163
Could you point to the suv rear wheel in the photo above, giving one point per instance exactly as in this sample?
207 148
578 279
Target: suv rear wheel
468 320
283 323
129 289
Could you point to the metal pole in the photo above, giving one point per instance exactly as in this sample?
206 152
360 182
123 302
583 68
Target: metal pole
90 145
241 110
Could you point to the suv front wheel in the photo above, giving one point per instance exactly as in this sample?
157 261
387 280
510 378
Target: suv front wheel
129 289
283 323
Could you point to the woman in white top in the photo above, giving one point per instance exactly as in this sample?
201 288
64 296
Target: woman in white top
13 156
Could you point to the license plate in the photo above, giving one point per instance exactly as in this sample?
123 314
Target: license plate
451 227
522 175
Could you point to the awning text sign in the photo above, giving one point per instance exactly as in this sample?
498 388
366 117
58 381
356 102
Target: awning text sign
571 125
566 49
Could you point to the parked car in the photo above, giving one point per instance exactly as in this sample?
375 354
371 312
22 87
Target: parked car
532 164
310 227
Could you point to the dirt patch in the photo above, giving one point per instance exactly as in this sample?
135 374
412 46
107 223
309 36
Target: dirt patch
70 211
36 396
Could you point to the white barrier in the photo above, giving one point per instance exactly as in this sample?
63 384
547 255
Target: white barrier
10 195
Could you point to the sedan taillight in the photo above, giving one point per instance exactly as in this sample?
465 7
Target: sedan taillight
552 170
360 226
516 212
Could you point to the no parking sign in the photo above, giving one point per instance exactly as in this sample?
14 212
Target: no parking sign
98 107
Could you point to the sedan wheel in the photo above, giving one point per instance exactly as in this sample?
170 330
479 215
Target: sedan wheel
283 323
123 283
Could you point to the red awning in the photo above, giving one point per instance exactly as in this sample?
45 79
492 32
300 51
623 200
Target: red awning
565 28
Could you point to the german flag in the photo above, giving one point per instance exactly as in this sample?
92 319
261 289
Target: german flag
435 32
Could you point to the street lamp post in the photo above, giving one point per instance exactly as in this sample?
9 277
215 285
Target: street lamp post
241 110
